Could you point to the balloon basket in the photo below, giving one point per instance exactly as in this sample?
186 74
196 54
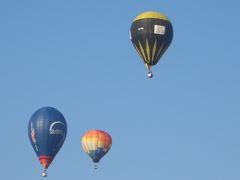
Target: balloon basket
150 75
95 166
44 174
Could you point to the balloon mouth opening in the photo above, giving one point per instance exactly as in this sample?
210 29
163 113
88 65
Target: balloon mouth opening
45 161
95 161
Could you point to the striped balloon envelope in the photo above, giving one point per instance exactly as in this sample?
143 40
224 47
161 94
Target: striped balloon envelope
96 143
151 34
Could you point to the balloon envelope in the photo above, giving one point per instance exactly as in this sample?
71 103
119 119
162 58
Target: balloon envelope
47 130
151 34
96 144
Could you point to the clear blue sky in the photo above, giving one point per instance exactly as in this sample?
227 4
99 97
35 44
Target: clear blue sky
77 57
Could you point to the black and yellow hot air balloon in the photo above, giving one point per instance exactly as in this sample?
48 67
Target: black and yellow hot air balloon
151 34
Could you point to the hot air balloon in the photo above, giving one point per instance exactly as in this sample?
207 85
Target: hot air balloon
47 130
151 34
96 144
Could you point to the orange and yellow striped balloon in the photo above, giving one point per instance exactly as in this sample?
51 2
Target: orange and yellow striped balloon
96 143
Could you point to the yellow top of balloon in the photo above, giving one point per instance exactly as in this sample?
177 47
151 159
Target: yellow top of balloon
155 15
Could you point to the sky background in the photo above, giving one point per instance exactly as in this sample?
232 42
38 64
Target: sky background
77 57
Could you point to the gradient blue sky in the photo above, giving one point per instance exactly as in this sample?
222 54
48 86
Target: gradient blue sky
77 57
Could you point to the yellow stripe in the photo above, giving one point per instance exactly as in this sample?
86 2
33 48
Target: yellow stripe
142 51
91 139
154 49
138 50
160 50
148 67
155 15
89 145
148 51
85 147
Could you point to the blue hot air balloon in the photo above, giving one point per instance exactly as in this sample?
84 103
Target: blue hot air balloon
47 130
